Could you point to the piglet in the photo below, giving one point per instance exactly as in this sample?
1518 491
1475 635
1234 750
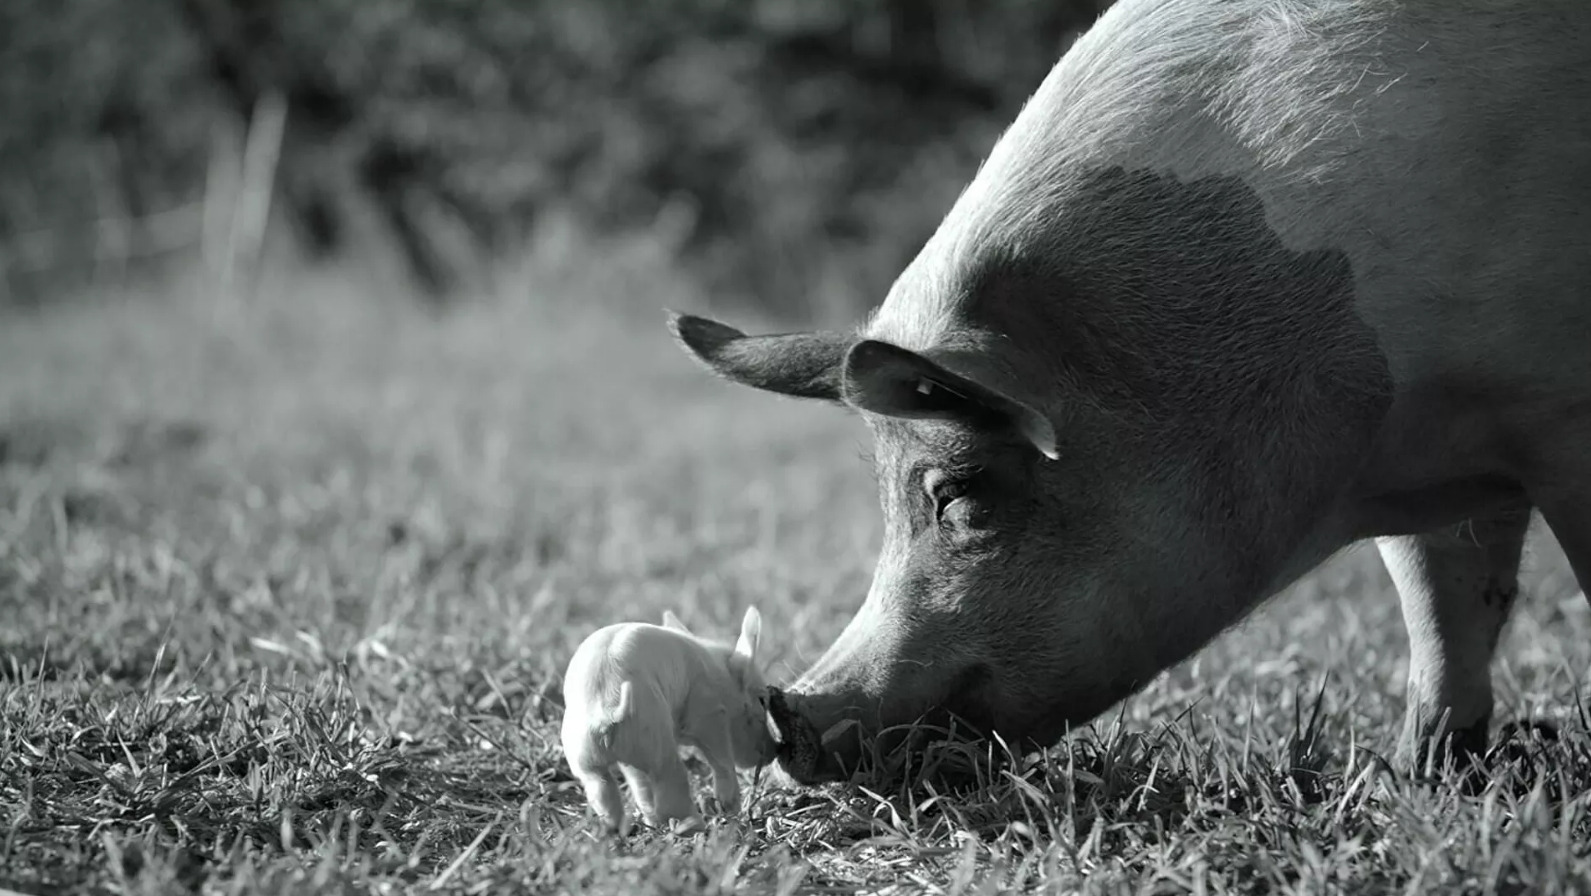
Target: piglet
635 693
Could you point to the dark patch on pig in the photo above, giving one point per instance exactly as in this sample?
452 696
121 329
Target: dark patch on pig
1500 595
1174 307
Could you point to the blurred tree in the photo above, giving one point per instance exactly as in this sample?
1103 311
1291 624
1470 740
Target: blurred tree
245 55
801 150
96 115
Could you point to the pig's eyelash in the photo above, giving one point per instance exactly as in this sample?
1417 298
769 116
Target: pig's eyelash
963 471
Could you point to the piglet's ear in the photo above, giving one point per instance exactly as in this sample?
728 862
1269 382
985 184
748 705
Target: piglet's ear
672 621
750 635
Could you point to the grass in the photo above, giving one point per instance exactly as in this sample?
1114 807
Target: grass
285 595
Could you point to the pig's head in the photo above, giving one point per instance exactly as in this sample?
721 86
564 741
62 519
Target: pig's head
1087 470
992 599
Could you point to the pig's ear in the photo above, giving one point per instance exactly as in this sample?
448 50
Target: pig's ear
672 621
803 365
896 382
750 635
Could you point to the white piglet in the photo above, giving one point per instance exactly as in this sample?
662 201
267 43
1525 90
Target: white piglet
635 693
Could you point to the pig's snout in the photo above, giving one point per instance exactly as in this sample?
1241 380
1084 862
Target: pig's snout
804 753
823 738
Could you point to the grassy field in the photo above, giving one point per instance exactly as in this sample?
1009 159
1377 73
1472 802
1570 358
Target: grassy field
286 592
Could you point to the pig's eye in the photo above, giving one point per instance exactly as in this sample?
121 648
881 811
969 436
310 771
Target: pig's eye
945 494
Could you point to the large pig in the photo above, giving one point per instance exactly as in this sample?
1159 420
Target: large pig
1245 282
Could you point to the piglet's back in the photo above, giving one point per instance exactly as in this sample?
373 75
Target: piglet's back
654 659
659 656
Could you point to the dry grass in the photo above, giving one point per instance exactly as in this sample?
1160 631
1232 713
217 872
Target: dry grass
284 601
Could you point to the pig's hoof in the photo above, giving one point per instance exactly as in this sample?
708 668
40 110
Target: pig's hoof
687 826
724 808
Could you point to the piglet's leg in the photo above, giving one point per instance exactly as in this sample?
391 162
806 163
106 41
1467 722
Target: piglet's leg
726 786
713 744
673 791
643 791
602 792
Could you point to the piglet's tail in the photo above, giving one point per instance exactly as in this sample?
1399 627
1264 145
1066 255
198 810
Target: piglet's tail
622 708
602 730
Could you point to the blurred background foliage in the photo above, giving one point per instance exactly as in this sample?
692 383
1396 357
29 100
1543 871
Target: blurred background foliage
792 153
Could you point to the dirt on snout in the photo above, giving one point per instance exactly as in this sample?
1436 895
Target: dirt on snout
798 741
